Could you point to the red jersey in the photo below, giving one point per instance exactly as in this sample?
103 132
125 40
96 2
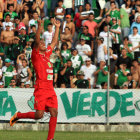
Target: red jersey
43 68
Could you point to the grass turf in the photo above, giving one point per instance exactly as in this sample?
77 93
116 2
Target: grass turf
41 135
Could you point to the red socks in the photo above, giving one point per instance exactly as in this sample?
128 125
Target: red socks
28 115
52 123
52 126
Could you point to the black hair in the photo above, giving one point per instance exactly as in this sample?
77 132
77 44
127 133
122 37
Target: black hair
135 27
60 1
68 28
129 74
126 37
88 4
33 26
85 27
64 44
17 17
50 24
91 14
112 2
25 60
134 60
8 15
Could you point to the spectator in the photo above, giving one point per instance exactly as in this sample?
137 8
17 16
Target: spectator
116 31
67 37
135 40
7 37
9 3
66 72
28 3
33 33
22 85
68 23
113 12
101 50
33 21
24 38
92 25
128 47
25 15
121 75
135 24
7 20
53 6
17 25
81 82
104 85
124 59
113 60
38 6
11 13
105 22
69 5
63 85
77 20
102 5
88 37
135 70
59 11
83 49
89 70
85 14
78 4
65 52
8 72
107 36
20 57
138 12
131 84
48 35
124 13
101 74
12 84
25 74
59 63
16 49
27 84
76 59
108 5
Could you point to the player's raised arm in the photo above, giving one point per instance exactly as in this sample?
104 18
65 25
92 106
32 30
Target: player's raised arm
37 37
55 38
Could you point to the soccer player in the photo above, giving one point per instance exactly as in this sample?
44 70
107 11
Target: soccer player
45 96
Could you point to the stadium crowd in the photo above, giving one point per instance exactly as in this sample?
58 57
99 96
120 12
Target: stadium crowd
80 59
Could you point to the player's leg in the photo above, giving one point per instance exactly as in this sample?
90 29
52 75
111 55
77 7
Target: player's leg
29 115
52 123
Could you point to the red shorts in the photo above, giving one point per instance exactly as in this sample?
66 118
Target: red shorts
44 99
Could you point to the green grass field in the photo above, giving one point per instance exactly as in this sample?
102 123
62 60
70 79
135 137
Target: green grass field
41 135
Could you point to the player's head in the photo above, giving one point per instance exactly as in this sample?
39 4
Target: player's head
42 46
24 62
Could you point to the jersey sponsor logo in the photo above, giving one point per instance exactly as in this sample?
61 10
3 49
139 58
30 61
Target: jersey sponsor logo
49 71
50 77
49 64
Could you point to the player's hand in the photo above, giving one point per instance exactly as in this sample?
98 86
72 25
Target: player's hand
57 23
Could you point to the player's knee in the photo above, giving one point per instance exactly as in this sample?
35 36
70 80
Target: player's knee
39 116
54 113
